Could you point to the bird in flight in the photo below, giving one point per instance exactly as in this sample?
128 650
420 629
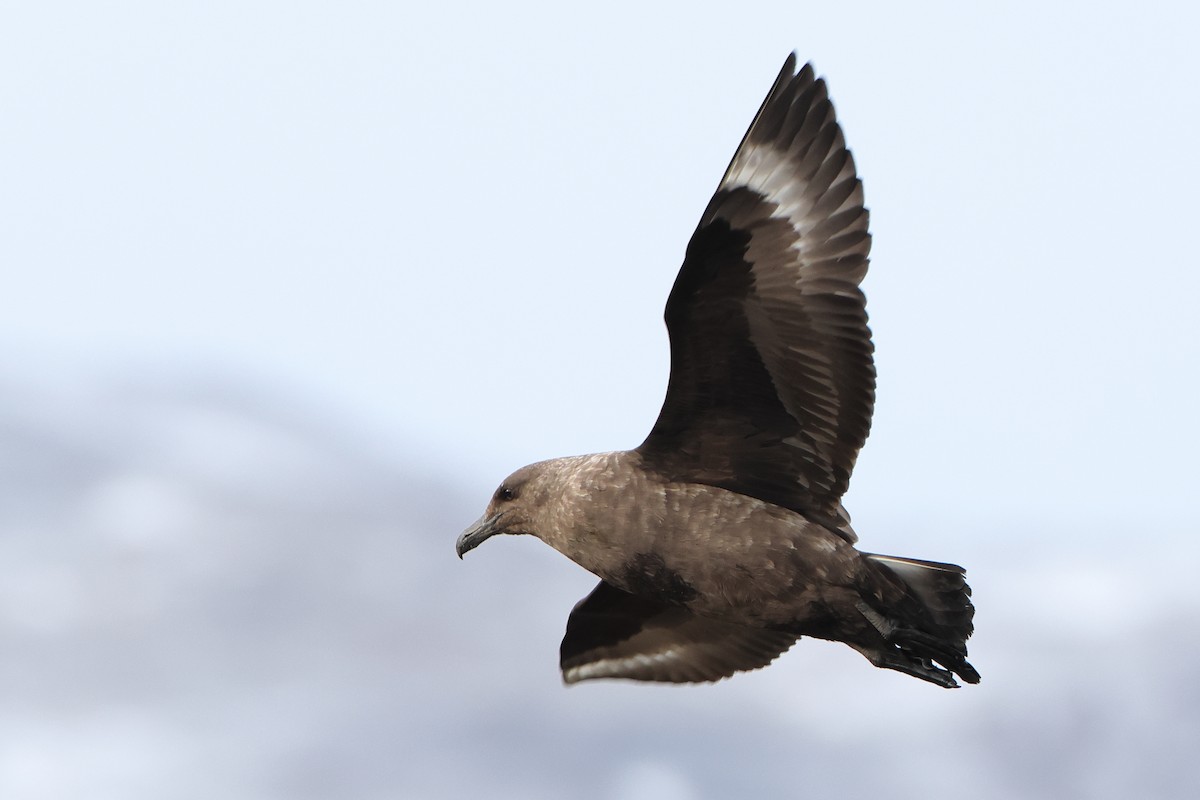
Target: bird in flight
721 539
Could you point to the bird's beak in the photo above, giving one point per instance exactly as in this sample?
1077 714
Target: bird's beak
483 528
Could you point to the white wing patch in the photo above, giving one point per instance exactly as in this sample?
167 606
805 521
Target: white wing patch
679 647
624 667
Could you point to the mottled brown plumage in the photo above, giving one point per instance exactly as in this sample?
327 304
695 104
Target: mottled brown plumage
722 539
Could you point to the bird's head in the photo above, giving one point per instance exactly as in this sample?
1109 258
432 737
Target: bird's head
516 507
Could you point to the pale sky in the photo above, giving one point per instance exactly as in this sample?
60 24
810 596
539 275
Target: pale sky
460 225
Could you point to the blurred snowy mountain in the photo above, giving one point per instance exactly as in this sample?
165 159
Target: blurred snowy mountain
211 589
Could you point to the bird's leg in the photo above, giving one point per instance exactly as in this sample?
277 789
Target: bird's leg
909 664
918 641
923 645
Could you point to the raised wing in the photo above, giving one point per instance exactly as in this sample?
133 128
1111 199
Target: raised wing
772 380
614 634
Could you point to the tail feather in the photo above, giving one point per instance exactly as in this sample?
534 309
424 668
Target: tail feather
934 622
941 588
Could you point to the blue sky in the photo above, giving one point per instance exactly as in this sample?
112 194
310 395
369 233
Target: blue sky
429 246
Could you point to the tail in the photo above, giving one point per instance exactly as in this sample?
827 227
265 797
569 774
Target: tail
929 620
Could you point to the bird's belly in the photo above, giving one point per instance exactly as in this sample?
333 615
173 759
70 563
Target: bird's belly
764 568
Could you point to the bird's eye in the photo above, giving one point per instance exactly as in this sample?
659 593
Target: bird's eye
506 493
